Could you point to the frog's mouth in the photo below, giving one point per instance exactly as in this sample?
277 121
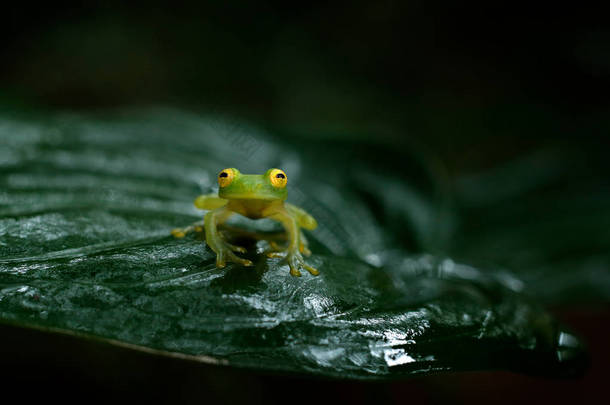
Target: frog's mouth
251 196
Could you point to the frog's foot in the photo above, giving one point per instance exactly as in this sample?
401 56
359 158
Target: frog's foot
275 250
296 263
275 255
295 259
182 232
178 232
225 254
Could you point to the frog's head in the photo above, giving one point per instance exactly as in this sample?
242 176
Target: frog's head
236 186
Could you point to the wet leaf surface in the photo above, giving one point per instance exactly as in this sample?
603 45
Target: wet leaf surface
87 203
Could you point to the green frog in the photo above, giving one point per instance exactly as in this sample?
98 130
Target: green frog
255 196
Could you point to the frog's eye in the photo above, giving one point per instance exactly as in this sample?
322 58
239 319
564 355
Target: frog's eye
225 177
278 178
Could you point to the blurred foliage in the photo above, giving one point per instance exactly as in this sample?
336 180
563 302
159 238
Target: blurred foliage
546 216
475 82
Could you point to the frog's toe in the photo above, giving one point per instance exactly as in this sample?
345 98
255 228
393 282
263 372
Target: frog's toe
296 263
275 250
236 248
220 261
178 233
275 247
274 255
228 256
236 259
304 249
312 270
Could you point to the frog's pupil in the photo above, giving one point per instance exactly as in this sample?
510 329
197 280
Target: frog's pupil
223 174
280 176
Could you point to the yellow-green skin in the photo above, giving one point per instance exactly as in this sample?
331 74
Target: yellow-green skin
254 196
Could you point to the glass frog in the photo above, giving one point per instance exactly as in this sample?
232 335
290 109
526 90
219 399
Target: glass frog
255 196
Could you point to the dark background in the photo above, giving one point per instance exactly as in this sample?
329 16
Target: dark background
476 81
475 85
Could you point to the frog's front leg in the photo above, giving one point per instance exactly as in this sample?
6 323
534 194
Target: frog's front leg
224 251
203 202
293 251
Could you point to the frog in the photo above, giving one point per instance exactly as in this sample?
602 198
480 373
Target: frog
255 196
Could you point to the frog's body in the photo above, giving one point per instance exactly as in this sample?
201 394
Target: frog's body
254 209
254 196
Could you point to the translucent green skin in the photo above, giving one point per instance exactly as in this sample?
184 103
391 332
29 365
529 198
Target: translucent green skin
254 196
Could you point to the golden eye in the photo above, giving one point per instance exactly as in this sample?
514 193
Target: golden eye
226 177
278 178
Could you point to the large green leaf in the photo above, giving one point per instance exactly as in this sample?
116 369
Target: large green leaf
86 207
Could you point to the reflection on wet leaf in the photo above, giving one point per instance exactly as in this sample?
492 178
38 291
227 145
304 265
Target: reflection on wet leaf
86 207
